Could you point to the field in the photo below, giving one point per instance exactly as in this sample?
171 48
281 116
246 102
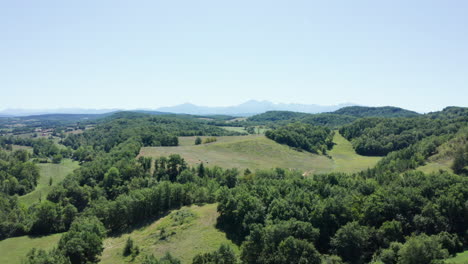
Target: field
235 129
18 147
49 170
434 166
259 152
346 159
13 250
460 258
184 233
253 152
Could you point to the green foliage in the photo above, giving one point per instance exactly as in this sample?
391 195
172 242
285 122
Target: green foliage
83 242
384 111
224 255
275 116
39 256
17 174
57 158
460 161
303 136
284 242
421 249
278 216
379 136
198 141
128 247
353 242
145 130
209 140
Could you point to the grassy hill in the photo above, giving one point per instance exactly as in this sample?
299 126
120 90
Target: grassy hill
259 152
13 250
184 233
49 170
346 159
445 155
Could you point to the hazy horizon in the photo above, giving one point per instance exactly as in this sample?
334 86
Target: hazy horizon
150 54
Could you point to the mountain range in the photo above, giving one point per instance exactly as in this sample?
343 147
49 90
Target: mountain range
248 108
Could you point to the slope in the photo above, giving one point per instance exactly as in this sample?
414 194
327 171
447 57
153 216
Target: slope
56 172
13 250
184 233
259 152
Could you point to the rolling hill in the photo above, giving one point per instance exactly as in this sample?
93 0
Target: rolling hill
258 152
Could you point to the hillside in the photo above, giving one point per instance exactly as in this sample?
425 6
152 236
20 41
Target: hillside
56 172
189 231
334 119
383 111
258 152
13 250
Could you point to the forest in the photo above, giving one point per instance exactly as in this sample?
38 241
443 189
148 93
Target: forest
390 213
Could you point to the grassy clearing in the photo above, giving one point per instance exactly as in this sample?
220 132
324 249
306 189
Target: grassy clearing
253 152
18 147
259 152
13 250
460 258
435 166
235 129
184 233
49 170
346 159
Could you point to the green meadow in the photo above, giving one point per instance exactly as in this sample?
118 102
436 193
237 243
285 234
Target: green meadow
184 233
258 152
13 250
56 172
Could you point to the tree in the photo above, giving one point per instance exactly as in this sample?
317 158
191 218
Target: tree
128 247
198 141
294 250
461 160
224 255
421 249
47 218
57 158
83 242
40 256
352 242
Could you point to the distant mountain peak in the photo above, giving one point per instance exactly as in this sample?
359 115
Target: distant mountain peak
250 107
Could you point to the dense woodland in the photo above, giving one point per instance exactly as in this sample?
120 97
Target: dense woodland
387 214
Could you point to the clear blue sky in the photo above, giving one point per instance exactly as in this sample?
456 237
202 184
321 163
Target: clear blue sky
147 54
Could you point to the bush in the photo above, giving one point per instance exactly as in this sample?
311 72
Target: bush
209 140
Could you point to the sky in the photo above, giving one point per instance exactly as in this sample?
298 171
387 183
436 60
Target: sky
148 54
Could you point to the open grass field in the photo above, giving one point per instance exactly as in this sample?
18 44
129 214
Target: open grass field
49 170
13 250
346 159
460 258
235 129
18 147
434 166
253 152
184 233
259 152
